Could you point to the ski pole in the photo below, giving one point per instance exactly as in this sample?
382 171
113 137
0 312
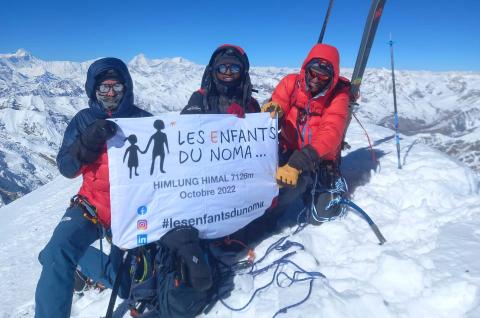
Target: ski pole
395 113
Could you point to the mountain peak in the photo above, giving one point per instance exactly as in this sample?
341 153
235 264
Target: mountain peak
19 54
179 59
22 53
140 59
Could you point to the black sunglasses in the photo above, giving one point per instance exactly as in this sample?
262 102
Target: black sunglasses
234 68
105 88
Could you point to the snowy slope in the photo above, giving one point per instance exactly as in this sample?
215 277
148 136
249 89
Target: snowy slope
441 109
429 213
38 98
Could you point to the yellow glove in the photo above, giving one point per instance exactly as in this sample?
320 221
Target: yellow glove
272 108
287 176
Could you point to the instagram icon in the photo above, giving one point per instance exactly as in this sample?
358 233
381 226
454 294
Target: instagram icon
142 224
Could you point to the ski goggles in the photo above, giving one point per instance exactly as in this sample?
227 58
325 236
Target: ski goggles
105 88
234 68
316 73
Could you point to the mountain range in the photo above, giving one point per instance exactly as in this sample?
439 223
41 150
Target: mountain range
38 98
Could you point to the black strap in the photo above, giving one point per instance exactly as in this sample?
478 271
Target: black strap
116 285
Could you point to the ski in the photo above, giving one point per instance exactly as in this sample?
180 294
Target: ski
373 19
371 25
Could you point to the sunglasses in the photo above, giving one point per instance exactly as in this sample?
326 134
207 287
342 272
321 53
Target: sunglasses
317 74
234 68
105 88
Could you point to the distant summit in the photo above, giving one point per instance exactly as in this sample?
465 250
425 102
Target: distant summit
19 53
139 59
22 52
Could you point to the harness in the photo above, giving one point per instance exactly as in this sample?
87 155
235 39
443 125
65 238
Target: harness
90 213
89 210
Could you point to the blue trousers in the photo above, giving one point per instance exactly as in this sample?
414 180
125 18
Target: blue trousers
68 247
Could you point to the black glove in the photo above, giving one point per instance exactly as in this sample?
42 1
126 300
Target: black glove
184 241
89 145
305 159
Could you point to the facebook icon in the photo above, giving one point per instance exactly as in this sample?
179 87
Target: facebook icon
142 210
142 239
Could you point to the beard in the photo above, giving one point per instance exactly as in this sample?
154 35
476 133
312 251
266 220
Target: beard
317 88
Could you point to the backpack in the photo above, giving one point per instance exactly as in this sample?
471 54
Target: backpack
171 278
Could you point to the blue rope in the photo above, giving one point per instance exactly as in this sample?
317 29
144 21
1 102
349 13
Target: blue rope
301 224
282 245
254 293
271 248
338 190
234 268
285 309
311 276
266 268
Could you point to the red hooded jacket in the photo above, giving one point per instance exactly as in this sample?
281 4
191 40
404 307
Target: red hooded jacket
324 117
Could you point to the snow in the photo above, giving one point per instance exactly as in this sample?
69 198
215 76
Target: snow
38 98
429 212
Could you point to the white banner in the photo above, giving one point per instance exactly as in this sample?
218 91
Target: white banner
213 172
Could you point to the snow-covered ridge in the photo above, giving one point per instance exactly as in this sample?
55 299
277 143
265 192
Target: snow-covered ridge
429 212
38 98
19 53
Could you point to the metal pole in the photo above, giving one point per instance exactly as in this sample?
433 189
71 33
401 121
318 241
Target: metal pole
325 21
395 113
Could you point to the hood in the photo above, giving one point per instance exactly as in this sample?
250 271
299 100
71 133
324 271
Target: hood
239 53
244 89
326 52
99 66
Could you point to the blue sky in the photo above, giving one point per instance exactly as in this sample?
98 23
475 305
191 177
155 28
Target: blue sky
434 35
